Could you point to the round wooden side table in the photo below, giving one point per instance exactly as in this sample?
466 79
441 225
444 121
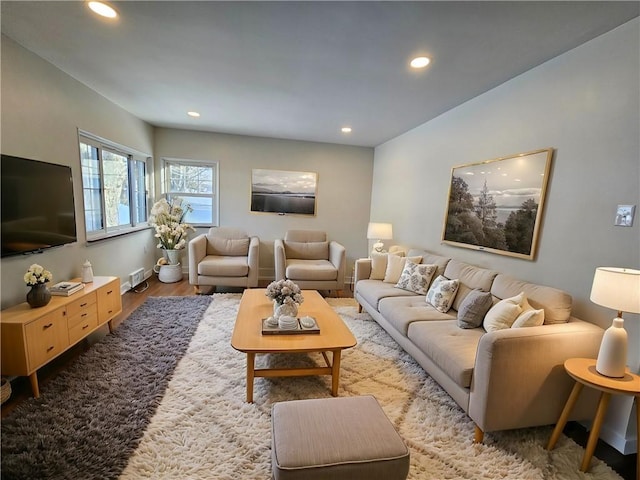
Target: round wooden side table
583 371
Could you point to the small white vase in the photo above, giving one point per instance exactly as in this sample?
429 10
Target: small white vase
281 309
612 357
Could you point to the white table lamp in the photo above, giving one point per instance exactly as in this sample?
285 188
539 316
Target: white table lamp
618 289
379 232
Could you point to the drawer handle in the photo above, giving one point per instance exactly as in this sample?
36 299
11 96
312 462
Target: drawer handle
109 292
83 304
50 348
86 326
84 314
49 325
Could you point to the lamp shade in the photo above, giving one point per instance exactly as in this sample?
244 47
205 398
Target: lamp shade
380 231
617 288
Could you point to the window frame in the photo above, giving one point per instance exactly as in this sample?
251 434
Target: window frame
133 158
215 195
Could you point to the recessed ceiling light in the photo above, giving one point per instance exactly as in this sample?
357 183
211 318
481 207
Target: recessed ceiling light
103 9
420 62
193 114
346 129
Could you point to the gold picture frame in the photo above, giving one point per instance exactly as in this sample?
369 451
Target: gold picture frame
496 205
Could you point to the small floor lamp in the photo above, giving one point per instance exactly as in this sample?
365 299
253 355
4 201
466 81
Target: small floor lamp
379 232
619 289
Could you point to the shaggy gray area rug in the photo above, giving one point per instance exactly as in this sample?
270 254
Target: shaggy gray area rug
91 417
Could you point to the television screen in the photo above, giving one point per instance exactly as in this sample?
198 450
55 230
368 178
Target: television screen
37 205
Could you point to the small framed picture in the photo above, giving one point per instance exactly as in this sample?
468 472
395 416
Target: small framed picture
624 215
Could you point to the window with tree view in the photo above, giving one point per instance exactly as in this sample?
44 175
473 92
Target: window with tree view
196 184
114 189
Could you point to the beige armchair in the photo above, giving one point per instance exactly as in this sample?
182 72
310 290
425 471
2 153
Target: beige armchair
307 258
224 256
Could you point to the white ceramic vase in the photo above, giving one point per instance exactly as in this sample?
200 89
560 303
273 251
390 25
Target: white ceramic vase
281 309
612 357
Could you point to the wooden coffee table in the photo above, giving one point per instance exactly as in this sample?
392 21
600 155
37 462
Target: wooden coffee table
247 337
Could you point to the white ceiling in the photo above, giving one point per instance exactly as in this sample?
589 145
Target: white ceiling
301 70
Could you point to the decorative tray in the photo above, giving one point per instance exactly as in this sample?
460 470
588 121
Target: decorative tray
269 330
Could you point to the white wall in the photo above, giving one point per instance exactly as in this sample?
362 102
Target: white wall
586 105
343 194
41 112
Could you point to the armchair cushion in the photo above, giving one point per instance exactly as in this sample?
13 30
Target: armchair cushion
307 250
228 246
223 266
311 270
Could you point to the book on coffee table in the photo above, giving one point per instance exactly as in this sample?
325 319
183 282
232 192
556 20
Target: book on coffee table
64 289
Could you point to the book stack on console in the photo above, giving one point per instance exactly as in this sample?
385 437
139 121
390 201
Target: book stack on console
65 289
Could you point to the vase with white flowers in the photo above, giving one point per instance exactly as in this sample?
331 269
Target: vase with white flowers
37 278
171 230
286 296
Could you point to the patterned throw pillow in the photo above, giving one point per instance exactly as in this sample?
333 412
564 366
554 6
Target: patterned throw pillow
473 309
442 293
416 277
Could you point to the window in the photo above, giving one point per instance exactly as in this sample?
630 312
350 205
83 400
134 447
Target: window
196 182
114 188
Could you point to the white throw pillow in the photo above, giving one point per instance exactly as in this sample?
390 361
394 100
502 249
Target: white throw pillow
378 266
416 277
395 265
504 313
442 293
529 318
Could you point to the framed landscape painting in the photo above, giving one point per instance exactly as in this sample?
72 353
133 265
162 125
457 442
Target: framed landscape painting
496 205
283 192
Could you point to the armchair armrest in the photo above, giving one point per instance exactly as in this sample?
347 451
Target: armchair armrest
280 258
338 257
254 261
519 378
362 270
197 251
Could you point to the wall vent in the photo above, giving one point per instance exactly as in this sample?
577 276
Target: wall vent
136 277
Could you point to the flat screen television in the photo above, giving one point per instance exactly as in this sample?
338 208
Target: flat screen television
37 206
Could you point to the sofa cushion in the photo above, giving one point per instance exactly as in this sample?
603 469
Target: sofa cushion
227 246
403 311
416 277
374 290
470 277
556 303
504 313
529 318
451 348
473 309
395 265
310 270
306 250
442 293
379 264
223 266
430 259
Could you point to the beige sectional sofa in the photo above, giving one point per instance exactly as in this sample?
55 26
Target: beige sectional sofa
504 379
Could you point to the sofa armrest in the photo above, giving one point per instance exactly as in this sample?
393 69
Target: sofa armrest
338 257
279 258
253 259
197 251
362 269
519 378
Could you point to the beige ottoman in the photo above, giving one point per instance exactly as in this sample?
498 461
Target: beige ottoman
335 438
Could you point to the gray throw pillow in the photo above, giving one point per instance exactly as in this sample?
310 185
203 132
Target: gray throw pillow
473 309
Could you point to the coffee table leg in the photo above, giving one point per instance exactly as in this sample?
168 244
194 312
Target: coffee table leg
335 372
251 360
